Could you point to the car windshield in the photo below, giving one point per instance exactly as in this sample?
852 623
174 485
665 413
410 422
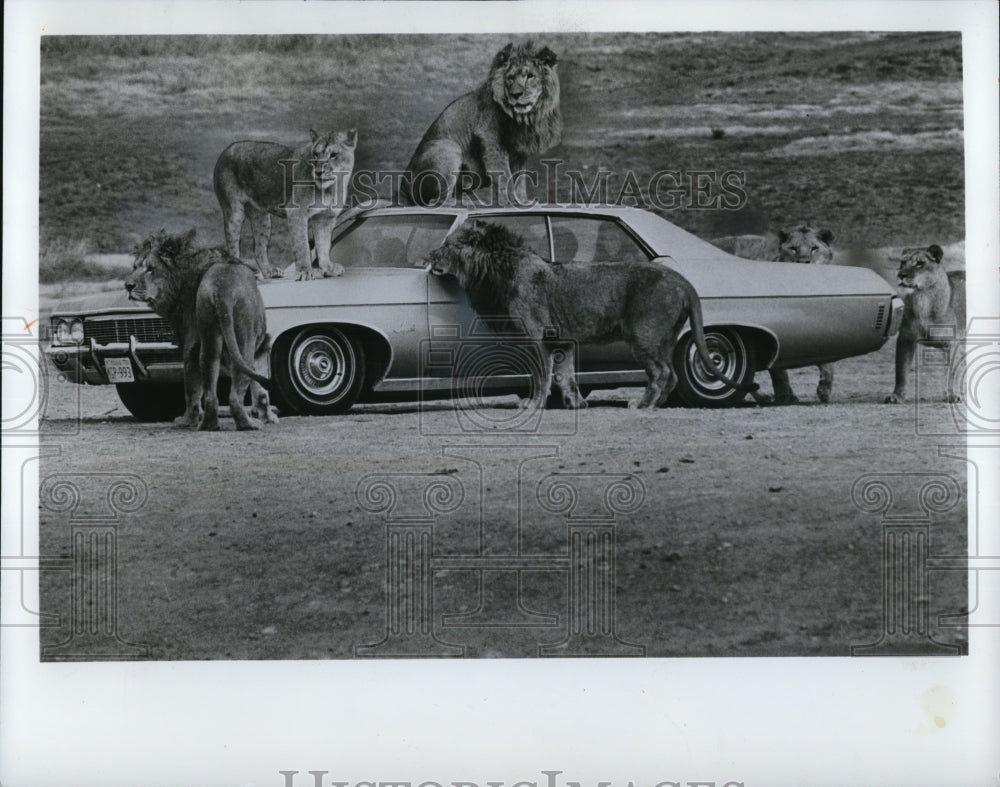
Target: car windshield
389 241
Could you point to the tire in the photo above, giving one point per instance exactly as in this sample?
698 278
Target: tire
734 357
152 402
319 371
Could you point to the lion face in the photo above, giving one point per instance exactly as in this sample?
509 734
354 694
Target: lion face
805 244
152 277
447 258
332 155
525 85
917 266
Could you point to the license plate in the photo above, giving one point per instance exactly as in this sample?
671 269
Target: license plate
119 370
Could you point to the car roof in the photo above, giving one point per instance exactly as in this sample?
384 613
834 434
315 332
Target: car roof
383 208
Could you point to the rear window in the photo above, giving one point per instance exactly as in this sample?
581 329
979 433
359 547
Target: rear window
585 239
389 241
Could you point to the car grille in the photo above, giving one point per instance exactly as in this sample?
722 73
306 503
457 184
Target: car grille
879 324
144 329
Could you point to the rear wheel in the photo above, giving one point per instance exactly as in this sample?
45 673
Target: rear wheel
319 371
732 355
152 402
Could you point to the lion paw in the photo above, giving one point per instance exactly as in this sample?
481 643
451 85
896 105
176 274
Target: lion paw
250 423
953 398
209 426
334 270
267 415
895 398
192 419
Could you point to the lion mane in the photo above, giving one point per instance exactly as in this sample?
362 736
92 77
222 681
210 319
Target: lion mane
212 302
487 135
644 304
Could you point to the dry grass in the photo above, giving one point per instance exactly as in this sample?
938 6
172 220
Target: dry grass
862 132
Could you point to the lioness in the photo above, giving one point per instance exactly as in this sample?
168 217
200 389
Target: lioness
933 313
257 179
645 304
490 132
212 301
804 244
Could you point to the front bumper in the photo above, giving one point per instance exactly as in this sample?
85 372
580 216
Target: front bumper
151 361
895 316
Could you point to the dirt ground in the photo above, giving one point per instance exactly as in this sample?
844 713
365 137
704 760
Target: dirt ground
734 531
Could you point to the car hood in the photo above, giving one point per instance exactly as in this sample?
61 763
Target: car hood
115 301
738 278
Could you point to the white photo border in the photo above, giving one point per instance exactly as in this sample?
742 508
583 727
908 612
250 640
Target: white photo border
765 721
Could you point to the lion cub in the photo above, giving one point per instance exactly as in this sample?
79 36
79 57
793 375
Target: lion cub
306 185
933 313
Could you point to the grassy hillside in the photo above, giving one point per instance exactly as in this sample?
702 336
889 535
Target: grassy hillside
860 132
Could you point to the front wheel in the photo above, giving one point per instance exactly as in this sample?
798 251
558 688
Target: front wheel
152 402
319 371
731 354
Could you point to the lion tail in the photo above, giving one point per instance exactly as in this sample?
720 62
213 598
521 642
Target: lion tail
698 332
228 331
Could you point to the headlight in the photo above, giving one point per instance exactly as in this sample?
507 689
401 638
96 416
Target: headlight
60 329
67 331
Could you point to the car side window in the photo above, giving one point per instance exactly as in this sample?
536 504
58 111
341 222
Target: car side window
585 239
532 228
389 241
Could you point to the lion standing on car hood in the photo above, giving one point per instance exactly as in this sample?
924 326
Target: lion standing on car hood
490 132
557 305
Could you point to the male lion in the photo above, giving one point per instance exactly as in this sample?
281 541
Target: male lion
644 303
803 244
490 132
257 179
933 313
212 301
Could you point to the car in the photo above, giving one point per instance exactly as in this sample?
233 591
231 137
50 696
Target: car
388 330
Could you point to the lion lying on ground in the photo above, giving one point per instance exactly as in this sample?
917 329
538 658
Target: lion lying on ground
258 179
645 304
934 309
803 244
212 301
487 135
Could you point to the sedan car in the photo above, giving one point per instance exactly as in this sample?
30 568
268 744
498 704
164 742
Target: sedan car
387 329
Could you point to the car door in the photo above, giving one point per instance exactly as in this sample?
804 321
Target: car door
586 239
465 344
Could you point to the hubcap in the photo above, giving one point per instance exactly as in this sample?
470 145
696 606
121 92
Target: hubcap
320 367
724 356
